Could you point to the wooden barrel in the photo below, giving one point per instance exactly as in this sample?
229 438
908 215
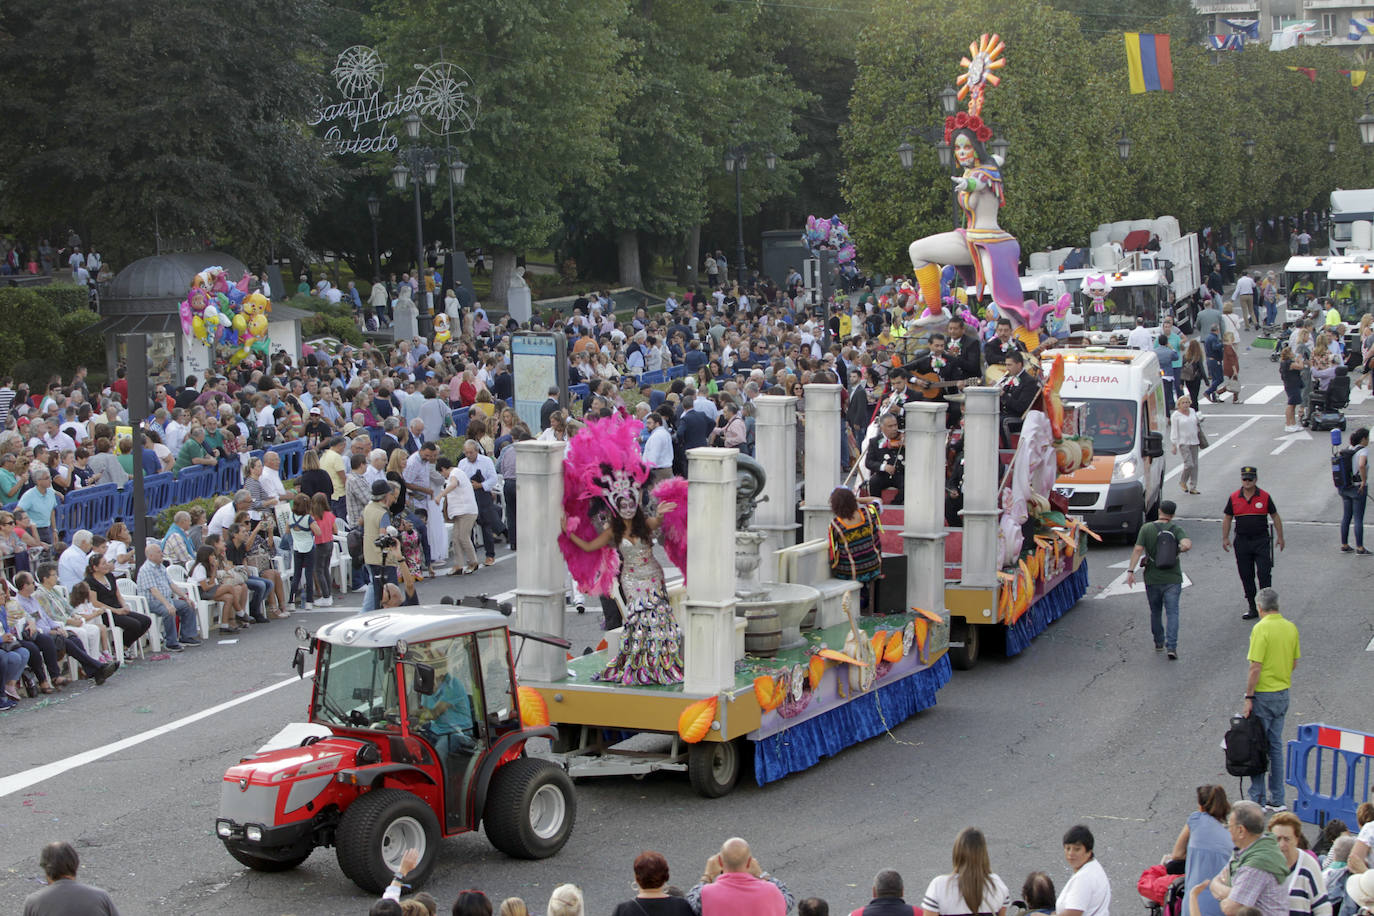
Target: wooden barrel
762 631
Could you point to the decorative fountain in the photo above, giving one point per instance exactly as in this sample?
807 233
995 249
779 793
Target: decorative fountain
758 601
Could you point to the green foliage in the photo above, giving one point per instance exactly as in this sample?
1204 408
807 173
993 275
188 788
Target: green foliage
80 349
29 331
66 297
198 129
328 326
165 517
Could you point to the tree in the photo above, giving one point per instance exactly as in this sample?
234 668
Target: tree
178 114
546 74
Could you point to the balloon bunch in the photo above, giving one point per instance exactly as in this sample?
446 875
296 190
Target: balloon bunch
216 312
832 234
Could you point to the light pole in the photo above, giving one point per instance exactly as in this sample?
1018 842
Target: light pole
417 161
1365 122
736 162
456 264
374 210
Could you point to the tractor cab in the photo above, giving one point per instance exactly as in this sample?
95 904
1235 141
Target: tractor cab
415 734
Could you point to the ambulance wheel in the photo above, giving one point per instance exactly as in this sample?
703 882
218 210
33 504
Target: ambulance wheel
966 656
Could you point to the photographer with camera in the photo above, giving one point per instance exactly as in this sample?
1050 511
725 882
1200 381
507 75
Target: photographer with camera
381 548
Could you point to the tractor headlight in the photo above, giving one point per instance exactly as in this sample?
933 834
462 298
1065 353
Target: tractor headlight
253 834
224 829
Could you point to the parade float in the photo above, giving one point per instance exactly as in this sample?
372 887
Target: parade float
760 659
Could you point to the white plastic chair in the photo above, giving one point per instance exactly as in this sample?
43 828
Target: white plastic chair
206 611
128 590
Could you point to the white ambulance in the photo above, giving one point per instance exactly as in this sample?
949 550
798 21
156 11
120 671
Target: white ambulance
1119 395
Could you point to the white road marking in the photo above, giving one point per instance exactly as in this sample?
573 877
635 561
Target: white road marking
1284 442
1118 586
1264 395
1212 449
1359 396
1370 647
31 777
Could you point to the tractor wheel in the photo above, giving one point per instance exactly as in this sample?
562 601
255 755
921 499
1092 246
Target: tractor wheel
375 833
259 863
713 767
530 808
966 656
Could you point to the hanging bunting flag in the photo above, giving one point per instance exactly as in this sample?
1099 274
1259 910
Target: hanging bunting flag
1226 42
1309 72
1247 27
1148 64
1290 35
1356 77
1360 26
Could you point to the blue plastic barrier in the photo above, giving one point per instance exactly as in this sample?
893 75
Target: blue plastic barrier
677 372
652 378
460 421
374 434
194 482
87 508
157 493
580 391
228 475
292 457
1330 769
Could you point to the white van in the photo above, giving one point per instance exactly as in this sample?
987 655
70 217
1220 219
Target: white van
1119 394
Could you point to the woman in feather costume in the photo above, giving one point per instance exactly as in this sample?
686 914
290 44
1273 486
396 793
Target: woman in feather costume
604 475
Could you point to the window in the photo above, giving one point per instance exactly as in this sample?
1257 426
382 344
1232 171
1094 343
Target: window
502 711
1111 423
357 688
1329 23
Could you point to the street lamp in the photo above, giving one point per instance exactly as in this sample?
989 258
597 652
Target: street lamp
1249 146
1331 146
421 163
999 147
736 161
1365 123
374 211
949 100
1123 146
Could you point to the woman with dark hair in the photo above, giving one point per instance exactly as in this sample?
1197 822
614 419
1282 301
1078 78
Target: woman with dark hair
1194 369
1355 496
1204 845
51 636
105 596
972 887
202 574
471 903
855 552
651 879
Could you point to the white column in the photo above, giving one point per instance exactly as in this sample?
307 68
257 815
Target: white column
822 464
539 566
923 527
775 437
709 630
981 419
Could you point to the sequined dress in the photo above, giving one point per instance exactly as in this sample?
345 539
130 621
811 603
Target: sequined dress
651 646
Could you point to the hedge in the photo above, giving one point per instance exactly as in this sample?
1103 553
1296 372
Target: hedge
164 518
66 298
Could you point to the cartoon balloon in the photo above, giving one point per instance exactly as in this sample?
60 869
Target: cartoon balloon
198 327
211 315
236 295
240 323
257 325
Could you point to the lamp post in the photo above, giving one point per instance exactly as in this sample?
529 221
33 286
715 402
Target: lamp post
415 163
1365 122
455 263
1249 146
374 211
736 162
1123 146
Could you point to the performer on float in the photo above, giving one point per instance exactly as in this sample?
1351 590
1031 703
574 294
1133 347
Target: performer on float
603 482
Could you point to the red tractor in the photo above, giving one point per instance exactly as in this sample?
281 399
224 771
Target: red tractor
418 737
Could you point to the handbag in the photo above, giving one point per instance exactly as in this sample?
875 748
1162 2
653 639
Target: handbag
1201 436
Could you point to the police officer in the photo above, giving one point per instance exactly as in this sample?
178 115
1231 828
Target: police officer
1251 508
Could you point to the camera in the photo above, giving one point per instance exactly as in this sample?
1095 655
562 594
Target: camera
385 541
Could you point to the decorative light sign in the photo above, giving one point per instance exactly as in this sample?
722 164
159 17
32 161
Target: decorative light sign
441 95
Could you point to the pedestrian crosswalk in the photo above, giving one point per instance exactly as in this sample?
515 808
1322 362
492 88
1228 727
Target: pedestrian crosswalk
1264 395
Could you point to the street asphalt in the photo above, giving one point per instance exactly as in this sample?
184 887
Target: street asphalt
1089 725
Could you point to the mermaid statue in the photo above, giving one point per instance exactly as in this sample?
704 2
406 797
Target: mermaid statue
985 255
608 542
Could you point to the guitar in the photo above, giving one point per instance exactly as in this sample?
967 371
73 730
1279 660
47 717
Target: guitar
929 384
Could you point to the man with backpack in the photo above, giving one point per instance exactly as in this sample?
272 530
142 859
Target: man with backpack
1160 543
1274 652
1348 471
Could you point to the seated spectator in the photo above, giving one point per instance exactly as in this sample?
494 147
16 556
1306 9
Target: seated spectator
471 903
51 634
167 601
14 550
119 548
1257 873
1306 885
972 886
1204 844
14 658
28 534
249 544
1037 893
177 546
734 882
813 906
651 877
84 620
1362 854
566 900
513 906
1088 892
106 597
203 574
199 520
63 894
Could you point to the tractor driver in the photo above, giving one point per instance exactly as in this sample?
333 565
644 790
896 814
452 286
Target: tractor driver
445 716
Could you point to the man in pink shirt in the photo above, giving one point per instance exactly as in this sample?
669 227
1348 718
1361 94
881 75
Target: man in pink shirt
736 885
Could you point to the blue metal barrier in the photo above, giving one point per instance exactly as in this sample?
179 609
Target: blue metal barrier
460 421
1330 769
292 457
228 475
157 494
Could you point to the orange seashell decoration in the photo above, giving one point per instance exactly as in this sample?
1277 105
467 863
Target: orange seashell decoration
695 721
815 671
928 615
767 692
835 656
893 651
534 712
878 641
922 632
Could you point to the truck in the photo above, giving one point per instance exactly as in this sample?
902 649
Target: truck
1350 208
415 733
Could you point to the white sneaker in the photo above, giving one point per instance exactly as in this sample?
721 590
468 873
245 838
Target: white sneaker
1292 429
309 606
324 602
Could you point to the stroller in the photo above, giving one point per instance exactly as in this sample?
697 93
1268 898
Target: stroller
1324 407
1161 889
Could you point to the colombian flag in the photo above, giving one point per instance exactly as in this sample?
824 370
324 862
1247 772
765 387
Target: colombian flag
1148 63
